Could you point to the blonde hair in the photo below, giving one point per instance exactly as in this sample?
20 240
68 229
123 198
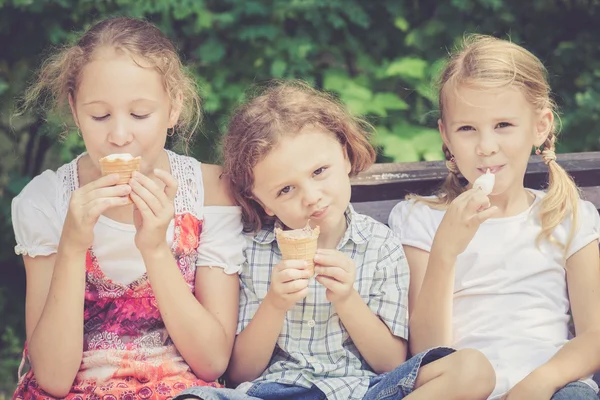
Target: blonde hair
491 63
285 108
59 76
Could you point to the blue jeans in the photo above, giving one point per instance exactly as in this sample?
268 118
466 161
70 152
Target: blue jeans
393 385
575 391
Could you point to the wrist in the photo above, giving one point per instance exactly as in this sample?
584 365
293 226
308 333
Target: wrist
347 303
549 375
72 248
156 252
273 306
441 256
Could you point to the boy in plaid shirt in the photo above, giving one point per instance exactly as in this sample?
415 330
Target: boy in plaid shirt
289 155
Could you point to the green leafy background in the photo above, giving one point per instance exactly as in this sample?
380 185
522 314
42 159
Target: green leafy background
378 56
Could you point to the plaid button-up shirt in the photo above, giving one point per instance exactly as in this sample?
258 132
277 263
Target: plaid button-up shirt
314 347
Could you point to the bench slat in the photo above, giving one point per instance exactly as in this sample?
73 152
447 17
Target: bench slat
393 181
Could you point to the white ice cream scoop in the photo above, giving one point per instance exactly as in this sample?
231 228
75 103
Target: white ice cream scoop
485 182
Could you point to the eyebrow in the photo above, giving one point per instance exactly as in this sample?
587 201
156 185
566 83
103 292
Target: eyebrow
133 101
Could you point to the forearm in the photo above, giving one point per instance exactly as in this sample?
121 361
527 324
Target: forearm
56 343
431 319
373 339
577 359
254 346
198 335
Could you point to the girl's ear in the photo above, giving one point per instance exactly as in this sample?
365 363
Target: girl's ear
175 110
73 110
543 126
444 135
347 162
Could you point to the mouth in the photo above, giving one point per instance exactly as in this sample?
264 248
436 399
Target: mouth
494 169
319 213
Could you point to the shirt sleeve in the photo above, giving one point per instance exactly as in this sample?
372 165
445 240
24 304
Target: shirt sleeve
222 242
389 291
588 227
35 218
414 224
249 301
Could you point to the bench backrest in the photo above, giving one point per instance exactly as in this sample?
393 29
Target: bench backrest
377 190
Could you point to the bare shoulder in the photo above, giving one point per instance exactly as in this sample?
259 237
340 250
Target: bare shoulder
216 188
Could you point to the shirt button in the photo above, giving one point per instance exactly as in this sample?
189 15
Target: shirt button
312 323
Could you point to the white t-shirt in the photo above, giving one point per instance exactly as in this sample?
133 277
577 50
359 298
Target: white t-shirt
510 296
39 212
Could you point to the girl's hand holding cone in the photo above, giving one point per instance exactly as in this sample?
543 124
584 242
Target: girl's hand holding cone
153 208
337 272
87 204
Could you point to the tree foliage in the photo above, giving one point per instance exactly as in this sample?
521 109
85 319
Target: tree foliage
380 57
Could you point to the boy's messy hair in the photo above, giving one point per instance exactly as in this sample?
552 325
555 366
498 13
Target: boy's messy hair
285 108
490 63
59 75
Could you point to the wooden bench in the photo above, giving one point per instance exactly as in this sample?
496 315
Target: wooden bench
376 191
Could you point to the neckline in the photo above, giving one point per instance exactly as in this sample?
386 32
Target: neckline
523 214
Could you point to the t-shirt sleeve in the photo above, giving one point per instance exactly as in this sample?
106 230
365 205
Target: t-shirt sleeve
35 218
587 228
222 242
414 223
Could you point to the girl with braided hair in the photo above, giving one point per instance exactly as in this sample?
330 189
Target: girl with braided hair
499 272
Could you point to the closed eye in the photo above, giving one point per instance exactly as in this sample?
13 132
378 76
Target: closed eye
136 116
102 118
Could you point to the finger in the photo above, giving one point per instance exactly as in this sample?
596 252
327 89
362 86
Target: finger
110 191
141 206
294 286
333 259
336 273
329 283
486 214
291 274
299 295
146 195
170 182
294 264
104 181
152 187
100 205
479 201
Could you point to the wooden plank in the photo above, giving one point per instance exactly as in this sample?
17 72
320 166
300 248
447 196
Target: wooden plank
380 210
390 181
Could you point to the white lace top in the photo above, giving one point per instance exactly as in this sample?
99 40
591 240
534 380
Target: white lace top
39 212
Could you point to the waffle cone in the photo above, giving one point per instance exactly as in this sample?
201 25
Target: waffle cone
123 168
294 248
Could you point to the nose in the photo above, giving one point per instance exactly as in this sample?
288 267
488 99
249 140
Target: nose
120 133
312 194
488 145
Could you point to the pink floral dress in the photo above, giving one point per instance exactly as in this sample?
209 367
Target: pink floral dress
128 353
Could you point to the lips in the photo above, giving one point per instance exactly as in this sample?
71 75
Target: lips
319 213
494 169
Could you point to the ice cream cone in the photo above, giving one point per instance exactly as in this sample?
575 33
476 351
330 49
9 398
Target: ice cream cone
298 244
122 164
